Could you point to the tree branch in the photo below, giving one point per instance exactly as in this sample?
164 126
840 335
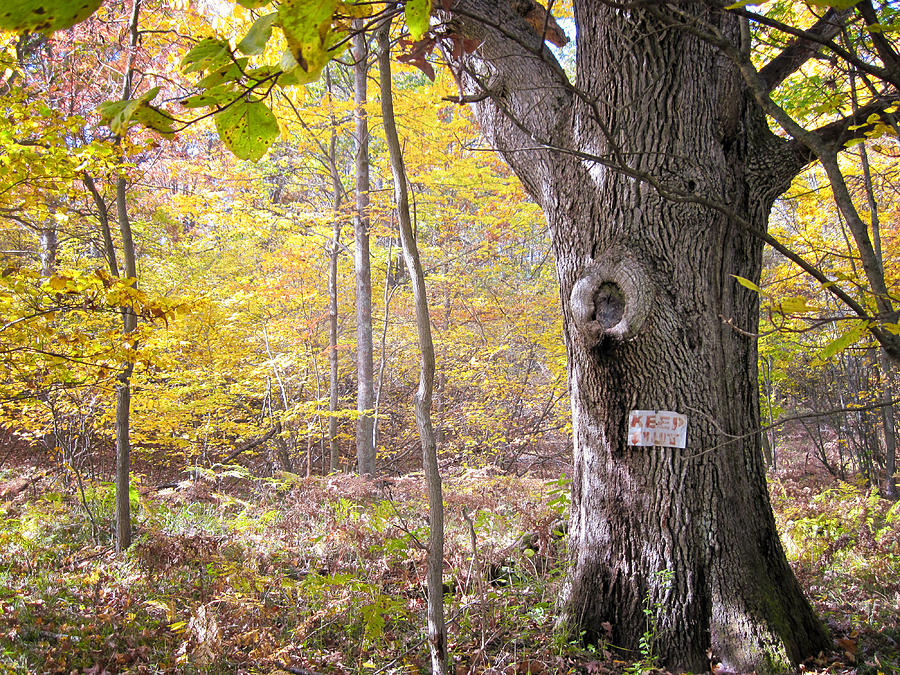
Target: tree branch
254 442
827 155
883 47
835 135
802 49
863 66
525 92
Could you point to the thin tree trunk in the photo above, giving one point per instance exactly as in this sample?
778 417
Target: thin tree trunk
123 389
389 289
129 321
318 418
365 448
284 455
333 393
103 218
769 436
437 632
885 364
887 416
333 398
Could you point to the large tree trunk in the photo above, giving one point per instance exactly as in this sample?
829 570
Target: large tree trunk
650 307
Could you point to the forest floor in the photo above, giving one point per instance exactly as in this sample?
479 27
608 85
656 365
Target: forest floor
232 573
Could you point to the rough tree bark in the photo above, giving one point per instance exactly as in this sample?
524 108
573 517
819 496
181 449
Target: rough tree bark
657 125
365 397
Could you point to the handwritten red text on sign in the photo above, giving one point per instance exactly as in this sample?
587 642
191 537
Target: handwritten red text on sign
662 428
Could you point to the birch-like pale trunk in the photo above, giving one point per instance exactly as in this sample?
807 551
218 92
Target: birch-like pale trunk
365 397
333 254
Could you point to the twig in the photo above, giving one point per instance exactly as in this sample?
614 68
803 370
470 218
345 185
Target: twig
473 540
403 526
804 416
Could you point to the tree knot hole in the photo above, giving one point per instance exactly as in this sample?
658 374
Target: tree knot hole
611 299
609 305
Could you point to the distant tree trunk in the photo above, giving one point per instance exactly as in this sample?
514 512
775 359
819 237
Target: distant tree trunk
389 288
885 366
886 378
365 447
768 438
129 323
333 384
890 434
437 632
49 248
283 452
282 446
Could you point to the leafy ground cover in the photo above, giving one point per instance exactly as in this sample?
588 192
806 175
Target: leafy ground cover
236 574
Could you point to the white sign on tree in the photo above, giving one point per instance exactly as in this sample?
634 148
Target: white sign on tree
661 428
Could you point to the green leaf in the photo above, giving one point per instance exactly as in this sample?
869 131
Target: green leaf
263 73
746 283
155 119
292 74
418 15
44 15
208 54
231 72
247 128
258 35
357 9
118 114
307 26
215 96
837 4
845 340
795 305
253 4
